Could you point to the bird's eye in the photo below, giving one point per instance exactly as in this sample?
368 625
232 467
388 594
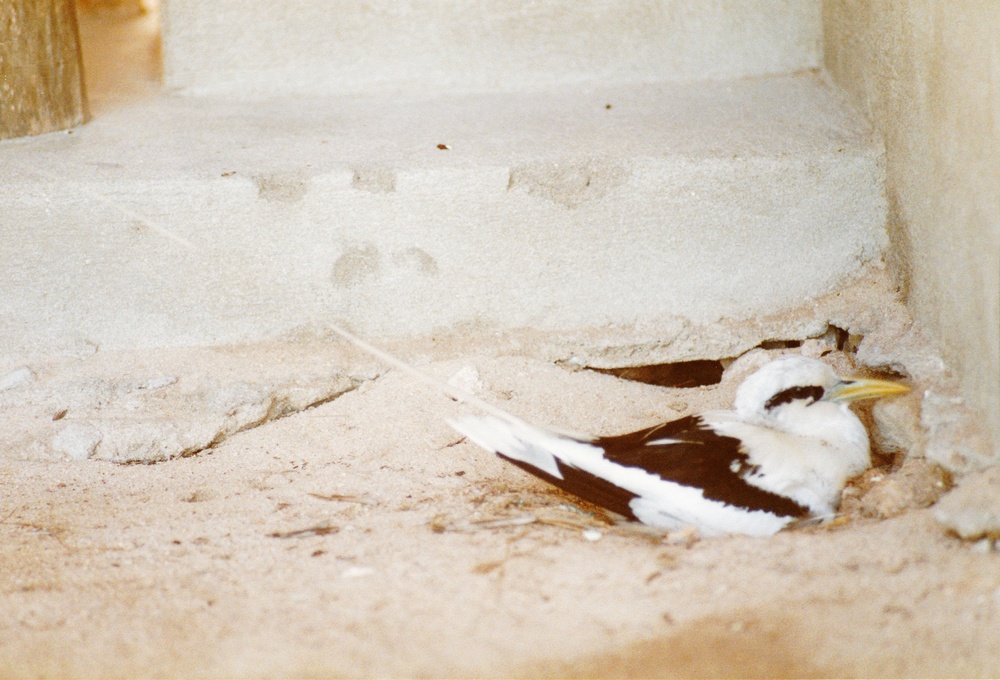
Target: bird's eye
790 394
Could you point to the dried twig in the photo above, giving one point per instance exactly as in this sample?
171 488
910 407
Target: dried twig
318 530
346 498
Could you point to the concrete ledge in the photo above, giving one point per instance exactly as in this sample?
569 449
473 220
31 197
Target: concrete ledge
200 221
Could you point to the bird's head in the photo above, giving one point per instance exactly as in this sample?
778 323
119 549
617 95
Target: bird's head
795 379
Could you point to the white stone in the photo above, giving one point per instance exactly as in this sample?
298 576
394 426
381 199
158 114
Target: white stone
467 380
357 572
897 424
19 377
157 382
972 509
983 546
77 441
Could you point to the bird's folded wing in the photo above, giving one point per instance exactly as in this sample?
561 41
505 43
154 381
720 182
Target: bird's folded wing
673 467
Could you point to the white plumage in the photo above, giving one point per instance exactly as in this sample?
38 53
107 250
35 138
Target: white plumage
783 454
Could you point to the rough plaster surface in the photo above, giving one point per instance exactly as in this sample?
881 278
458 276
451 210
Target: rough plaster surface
259 48
132 407
199 221
147 406
928 75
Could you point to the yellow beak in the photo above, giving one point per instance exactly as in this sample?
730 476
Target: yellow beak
856 389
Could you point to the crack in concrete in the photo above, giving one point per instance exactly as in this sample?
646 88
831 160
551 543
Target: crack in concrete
277 408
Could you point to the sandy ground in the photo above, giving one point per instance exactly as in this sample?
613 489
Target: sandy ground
363 537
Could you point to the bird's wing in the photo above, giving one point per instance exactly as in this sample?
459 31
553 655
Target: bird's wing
691 453
674 474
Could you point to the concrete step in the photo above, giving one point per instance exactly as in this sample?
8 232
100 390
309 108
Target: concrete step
262 48
197 221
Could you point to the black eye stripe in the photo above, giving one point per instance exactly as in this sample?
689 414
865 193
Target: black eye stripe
813 392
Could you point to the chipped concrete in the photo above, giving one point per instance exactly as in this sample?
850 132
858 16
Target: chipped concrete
972 510
175 222
128 407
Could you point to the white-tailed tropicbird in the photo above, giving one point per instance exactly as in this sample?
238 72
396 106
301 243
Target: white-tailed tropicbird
782 455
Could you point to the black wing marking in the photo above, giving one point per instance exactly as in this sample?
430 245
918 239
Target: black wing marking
584 485
700 458
811 392
598 490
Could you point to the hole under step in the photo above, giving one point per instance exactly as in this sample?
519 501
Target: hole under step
703 372
677 374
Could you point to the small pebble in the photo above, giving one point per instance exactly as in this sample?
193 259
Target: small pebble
357 572
77 441
686 537
19 377
972 509
983 547
467 379
157 382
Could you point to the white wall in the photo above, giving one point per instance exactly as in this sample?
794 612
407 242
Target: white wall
260 47
928 75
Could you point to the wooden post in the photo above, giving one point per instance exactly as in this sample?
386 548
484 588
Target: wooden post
41 71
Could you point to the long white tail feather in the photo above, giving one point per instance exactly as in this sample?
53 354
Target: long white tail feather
452 391
501 432
520 442
536 446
